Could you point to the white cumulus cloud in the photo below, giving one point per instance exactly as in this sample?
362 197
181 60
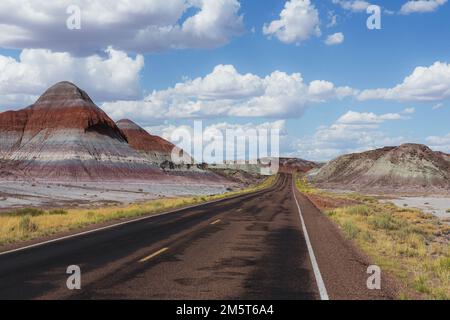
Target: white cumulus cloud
424 84
352 132
334 39
134 26
439 142
352 117
421 6
299 21
353 5
113 76
227 93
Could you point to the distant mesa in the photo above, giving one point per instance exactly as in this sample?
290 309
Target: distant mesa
296 165
407 168
65 136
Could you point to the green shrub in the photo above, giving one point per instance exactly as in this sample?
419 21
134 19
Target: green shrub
366 236
350 230
57 212
421 285
360 210
444 263
384 221
90 214
27 212
331 213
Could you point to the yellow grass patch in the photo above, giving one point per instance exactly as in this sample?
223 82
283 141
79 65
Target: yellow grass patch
28 224
408 243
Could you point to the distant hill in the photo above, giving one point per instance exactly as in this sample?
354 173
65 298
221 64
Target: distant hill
409 167
286 165
291 165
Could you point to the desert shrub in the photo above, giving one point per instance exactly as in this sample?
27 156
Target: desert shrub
421 285
27 212
26 225
331 213
413 246
90 214
360 210
367 237
384 221
350 230
57 212
444 264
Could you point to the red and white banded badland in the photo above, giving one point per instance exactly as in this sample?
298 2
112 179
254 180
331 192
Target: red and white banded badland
65 136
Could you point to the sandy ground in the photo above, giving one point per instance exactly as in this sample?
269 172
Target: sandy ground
437 206
22 194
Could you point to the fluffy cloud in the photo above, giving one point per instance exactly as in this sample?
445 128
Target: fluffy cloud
352 117
352 132
114 76
438 106
354 5
439 142
299 20
335 39
141 26
421 6
424 84
225 92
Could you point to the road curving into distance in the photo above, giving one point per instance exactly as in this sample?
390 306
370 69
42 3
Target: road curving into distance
271 244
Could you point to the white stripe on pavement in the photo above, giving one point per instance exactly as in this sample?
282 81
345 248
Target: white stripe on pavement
320 284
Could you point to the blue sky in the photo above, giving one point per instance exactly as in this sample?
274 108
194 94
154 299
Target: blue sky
231 35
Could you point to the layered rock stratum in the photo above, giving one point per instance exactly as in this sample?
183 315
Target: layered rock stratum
155 148
407 168
65 136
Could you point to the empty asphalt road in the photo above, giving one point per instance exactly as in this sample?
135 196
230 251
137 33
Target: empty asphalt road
256 246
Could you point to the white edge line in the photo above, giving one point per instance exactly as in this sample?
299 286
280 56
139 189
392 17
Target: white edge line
320 284
121 224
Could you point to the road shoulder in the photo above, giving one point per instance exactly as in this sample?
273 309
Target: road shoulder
343 266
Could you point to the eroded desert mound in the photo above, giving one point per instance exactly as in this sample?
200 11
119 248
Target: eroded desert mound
65 136
407 168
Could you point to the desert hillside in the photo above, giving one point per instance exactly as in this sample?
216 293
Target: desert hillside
407 168
65 136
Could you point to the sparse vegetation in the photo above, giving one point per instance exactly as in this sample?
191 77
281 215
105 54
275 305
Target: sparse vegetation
29 223
24 212
350 229
26 225
408 243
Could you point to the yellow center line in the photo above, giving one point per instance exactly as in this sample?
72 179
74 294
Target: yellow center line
157 253
216 222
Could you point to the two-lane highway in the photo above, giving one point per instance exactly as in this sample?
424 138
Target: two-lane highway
249 247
